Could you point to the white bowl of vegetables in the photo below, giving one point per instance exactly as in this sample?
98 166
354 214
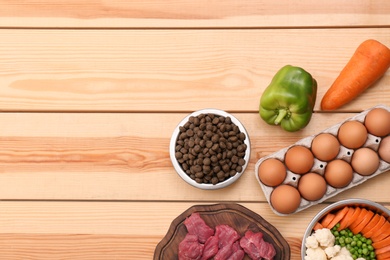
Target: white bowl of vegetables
348 230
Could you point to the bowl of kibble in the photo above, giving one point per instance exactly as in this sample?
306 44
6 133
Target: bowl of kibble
210 149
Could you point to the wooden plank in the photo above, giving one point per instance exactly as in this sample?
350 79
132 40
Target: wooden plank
115 155
186 13
108 230
163 70
76 246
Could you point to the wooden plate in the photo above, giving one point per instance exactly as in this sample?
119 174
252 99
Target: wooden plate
234 215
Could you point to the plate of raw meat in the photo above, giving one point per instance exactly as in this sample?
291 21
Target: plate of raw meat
221 231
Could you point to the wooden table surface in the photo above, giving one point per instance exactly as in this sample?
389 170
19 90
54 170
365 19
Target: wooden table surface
90 92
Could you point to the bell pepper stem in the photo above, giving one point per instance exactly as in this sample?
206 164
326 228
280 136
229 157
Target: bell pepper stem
281 115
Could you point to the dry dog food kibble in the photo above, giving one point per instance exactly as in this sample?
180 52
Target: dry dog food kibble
210 148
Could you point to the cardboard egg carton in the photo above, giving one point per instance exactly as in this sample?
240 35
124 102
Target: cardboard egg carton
345 153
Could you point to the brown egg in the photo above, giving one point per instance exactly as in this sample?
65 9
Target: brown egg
352 134
325 147
384 149
299 159
338 173
312 186
365 161
377 122
285 199
272 172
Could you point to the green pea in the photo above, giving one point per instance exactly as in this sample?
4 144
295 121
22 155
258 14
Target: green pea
357 245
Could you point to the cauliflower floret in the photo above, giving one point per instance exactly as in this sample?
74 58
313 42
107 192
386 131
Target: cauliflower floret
315 254
342 257
344 254
311 242
324 237
344 251
360 258
332 251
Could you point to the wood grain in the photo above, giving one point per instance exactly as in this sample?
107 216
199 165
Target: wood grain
186 13
119 230
169 70
115 155
76 246
90 92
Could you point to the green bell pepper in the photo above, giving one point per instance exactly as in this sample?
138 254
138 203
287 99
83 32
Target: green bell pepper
289 99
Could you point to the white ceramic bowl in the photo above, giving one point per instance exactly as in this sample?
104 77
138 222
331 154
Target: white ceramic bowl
376 207
184 175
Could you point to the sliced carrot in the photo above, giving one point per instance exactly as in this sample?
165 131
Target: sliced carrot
380 223
327 219
354 217
371 224
382 243
384 256
382 250
338 217
346 220
380 237
359 219
381 233
318 226
366 219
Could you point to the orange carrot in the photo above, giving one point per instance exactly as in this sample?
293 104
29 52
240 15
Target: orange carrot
369 62
327 219
354 217
338 216
380 223
375 219
347 219
318 226
382 250
359 219
363 223
384 256
382 243
381 233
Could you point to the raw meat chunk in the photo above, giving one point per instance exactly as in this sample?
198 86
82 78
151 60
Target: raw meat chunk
226 234
196 226
190 248
255 246
210 248
238 252
228 242
223 245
